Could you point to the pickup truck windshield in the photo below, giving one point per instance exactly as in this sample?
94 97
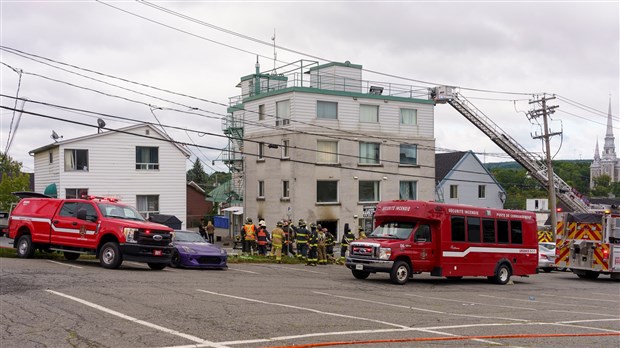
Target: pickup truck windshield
393 229
118 211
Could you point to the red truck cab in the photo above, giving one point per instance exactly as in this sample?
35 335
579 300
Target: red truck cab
112 231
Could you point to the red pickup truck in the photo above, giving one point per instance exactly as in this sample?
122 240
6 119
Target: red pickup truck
96 225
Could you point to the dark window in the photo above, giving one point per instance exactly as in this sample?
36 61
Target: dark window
327 191
261 112
147 158
68 209
76 160
516 232
261 150
488 231
502 231
76 193
458 228
91 213
473 229
408 154
423 234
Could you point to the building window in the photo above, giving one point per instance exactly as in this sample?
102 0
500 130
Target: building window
76 160
454 191
147 158
369 153
408 116
283 113
261 151
147 205
327 151
261 112
71 193
328 110
369 191
369 113
285 189
261 189
408 154
327 191
51 157
408 190
285 146
482 191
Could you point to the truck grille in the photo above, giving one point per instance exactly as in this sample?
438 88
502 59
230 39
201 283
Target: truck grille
364 250
152 238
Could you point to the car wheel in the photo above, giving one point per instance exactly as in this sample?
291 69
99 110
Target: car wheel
360 274
502 274
110 255
25 248
400 273
156 266
71 256
176 260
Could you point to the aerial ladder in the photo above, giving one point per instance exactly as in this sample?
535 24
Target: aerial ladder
533 163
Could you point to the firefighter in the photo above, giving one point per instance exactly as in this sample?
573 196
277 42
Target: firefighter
361 233
262 238
321 245
347 238
248 236
277 239
329 245
301 237
287 246
312 246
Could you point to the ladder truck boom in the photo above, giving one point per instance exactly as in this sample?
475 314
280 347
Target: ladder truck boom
533 163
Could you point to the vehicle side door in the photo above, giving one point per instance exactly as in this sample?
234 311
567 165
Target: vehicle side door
423 253
67 229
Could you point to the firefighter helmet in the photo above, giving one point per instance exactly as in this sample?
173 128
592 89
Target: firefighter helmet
248 220
279 224
302 222
262 223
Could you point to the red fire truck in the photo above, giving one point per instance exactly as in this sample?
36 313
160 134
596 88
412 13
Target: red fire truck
446 240
112 231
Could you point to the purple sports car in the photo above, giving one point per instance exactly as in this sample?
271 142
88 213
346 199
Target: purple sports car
193 251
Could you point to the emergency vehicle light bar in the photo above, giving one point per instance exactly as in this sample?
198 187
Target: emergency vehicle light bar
109 199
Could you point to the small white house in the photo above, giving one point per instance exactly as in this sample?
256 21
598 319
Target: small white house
138 164
463 179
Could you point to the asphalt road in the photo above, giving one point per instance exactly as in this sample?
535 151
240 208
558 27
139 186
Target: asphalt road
51 303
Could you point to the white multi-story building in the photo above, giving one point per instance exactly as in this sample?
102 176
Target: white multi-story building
319 143
609 163
138 164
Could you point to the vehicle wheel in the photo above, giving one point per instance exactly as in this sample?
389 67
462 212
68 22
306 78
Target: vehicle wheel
588 275
176 260
548 269
156 266
400 273
454 277
71 256
110 255
360 274
502 275
25 248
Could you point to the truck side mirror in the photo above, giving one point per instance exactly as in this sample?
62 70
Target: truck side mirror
81 214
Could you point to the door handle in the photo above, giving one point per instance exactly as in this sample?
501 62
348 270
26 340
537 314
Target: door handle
74 223
55 222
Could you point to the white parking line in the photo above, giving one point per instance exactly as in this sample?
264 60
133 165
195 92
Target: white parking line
303 308
420 309
584 313
297 269
536 301
64 264
473 303
242 270
204 343
580 298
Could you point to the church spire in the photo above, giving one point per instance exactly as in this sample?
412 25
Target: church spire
609 149
597 154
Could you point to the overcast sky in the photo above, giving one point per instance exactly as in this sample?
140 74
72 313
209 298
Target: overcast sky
570 49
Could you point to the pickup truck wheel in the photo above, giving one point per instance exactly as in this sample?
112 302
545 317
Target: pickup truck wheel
502 275
588 275
156 266
400 273
25 248
110 255
71 256
360 274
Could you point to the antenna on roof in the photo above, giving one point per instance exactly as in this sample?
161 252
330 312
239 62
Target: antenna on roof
100 124
55 136
275 55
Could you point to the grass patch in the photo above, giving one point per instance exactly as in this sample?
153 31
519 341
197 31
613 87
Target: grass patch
262 259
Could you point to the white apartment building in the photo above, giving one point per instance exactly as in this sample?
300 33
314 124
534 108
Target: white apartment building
316 142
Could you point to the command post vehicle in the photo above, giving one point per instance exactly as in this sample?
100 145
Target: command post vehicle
112 231
589 244
447 240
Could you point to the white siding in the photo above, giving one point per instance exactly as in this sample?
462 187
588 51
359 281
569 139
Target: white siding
45 172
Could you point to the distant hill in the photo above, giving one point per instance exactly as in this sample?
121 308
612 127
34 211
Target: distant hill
515 165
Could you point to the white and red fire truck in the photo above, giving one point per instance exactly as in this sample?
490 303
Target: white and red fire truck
96 225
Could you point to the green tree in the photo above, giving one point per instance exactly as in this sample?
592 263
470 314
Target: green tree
602 186
12 180
197 174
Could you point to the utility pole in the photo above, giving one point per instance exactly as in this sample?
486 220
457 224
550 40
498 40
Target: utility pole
545 111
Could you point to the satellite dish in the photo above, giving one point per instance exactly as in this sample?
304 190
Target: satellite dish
55 136
100 123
